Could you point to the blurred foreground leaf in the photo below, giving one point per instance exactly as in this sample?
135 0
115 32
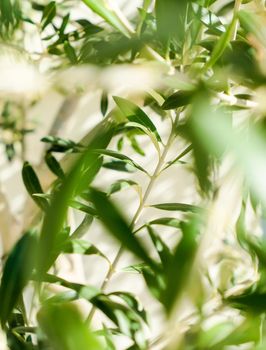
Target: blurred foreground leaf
16 274
65 329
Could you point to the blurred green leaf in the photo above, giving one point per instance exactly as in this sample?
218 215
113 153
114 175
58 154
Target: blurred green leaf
78 178
10 17
101 8
252 300
252 23
49 13
80 246
16 274
62 145
171 20
125 318
117 226
221 44
178 269
131 300
161 248
70 52
65 329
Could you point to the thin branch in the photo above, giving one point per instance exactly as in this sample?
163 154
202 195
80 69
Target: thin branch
138 212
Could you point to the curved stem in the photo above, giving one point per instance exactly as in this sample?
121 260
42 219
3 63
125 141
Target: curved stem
136 216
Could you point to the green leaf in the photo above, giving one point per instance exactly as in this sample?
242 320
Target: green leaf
70 52
82 229
65 329
215 133
135 145
178 270
83 207
101 8
125 318
135 114
48 14
120 156
108 338
172 222
117 226
177 207
161 248
146 131
33 185
227 333
121 185
80 246
252 24
178 99
104 103
132 302
16 274
180 156
62 145
221 45
119 165
170 20
79 177
54 165
252 301
10 17
82 291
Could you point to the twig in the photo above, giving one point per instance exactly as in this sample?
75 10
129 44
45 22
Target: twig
138 212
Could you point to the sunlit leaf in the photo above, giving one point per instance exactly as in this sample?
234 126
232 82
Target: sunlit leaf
135 114
101 8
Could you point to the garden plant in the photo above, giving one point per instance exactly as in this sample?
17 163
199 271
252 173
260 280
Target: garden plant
156 199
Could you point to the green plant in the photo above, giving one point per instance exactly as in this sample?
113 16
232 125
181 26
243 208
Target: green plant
204 61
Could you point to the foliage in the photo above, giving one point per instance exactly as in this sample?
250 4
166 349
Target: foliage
210 58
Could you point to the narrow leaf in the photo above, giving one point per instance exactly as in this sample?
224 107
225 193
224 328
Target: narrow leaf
117 226
33 185
135 114
110 16
17 272
177 207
